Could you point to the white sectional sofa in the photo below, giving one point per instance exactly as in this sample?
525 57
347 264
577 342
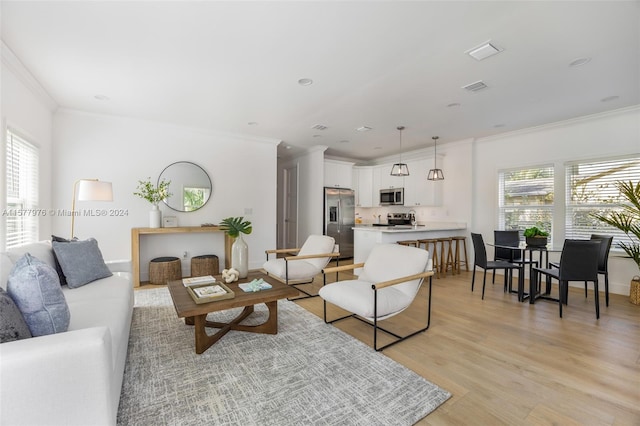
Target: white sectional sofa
73 377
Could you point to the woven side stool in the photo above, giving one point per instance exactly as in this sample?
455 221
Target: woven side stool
458 262
163 269
206 264
434 252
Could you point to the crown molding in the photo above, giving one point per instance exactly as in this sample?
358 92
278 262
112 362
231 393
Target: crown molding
17 68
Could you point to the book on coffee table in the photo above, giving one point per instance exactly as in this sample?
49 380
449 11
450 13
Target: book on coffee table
204 293
206 279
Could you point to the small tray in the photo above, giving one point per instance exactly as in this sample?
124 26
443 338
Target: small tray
228 294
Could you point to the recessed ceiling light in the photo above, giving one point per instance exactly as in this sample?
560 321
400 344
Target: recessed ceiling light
377 148
497 126
453 105
579 61
319 127
610 98
305 82
344 141
252 123
102 97
317 136
484 51
363 129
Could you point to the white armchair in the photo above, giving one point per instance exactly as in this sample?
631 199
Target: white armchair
304 264
388 284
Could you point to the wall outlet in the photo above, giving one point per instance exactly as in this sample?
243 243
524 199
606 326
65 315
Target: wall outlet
184 254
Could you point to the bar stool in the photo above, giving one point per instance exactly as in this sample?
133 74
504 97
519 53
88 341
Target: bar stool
408 243
436 263
446 255
457 260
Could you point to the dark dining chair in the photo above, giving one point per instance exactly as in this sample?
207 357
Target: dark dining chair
578 262
480 260
603 263
509 238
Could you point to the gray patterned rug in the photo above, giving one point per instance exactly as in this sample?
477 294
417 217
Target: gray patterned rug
310 373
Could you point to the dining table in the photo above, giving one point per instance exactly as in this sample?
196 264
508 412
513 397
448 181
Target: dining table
542 252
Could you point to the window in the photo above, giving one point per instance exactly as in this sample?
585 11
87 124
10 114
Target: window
591 189
22 220
526 198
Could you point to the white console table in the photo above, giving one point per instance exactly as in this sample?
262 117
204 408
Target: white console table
137 232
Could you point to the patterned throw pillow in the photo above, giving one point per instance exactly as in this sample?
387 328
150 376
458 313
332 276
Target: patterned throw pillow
35 288
12 324
81 261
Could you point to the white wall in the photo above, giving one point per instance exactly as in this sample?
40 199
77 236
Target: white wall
600 136
26 108
124 151
310 192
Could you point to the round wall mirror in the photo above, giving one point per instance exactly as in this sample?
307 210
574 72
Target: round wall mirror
190 186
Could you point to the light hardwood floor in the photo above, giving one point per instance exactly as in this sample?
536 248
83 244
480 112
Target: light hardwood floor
510 363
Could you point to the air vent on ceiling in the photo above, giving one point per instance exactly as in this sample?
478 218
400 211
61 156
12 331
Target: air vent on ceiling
475 87
319 127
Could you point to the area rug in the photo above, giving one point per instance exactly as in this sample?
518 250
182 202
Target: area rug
310 373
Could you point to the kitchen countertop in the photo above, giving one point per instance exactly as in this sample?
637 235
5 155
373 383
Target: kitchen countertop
432 226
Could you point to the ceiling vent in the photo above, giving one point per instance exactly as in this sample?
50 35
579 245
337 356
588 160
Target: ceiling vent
319 127
475 87
483 51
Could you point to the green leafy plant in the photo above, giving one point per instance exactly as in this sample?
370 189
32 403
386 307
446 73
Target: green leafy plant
534 231
628 219
152 193
233 226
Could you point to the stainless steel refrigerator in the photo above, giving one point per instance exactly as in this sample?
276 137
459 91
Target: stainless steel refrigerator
339 218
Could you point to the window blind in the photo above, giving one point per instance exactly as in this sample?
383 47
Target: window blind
591 188
22 219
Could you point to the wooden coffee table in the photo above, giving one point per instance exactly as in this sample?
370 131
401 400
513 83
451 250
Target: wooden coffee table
196 314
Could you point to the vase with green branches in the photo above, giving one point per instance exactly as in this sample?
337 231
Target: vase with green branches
235 227
153 194
627 219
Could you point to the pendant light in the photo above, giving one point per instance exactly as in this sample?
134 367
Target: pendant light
435 173
400 168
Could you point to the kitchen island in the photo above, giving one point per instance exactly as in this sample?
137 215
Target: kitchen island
366 236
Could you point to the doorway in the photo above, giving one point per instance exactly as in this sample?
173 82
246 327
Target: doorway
290 236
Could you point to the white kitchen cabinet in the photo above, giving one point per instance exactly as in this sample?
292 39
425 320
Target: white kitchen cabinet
418 191
338 174
363 185
388 181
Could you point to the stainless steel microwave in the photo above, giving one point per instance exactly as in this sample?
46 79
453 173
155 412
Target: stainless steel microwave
392 196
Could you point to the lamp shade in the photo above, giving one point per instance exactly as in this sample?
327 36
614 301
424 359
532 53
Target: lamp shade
94 190
400 169
435 174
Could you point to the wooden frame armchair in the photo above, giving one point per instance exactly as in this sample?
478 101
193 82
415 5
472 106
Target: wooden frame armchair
303 264
388 284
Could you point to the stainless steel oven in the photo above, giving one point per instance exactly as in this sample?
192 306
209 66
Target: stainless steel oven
392 196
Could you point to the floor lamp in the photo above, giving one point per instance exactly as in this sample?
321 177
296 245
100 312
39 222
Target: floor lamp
89 190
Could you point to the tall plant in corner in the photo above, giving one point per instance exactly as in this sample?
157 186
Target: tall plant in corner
235 227
627 219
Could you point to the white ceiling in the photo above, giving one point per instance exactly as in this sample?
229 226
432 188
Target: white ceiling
223 65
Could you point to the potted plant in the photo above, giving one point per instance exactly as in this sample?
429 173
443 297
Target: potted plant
627 220
235 227
153 194
535 236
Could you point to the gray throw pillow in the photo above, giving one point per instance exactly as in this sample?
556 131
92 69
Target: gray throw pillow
81 261
63 279
35 288
12 324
